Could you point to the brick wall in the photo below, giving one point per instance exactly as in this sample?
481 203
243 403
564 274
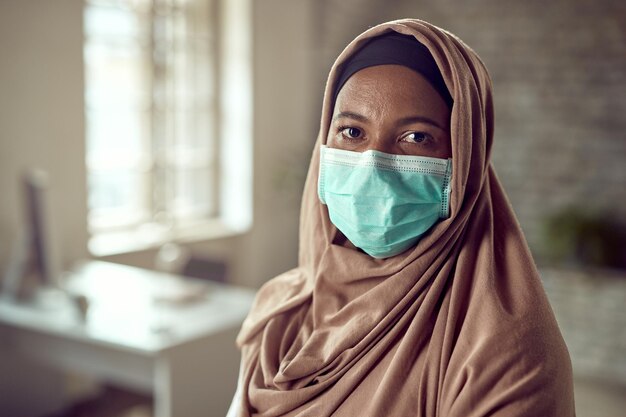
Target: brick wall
589 307
559 73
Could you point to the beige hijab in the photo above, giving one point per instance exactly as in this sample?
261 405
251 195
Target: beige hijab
459 326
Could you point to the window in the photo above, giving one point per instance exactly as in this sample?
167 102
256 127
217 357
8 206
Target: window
151 107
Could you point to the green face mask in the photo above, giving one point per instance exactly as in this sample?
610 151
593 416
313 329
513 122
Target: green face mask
383 203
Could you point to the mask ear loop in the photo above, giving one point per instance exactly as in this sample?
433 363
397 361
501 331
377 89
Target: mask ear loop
444 212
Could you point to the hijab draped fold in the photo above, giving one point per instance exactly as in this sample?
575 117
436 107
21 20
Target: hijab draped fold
458 326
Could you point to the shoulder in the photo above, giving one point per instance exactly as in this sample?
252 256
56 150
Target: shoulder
510 362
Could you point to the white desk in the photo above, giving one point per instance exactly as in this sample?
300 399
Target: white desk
184 354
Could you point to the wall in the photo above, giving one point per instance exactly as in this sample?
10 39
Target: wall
41 125
41 115
284 133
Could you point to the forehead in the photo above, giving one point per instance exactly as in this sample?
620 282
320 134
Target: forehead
393 87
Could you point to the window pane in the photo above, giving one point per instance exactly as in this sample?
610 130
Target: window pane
193 134
192 196
116 139
112 22
118 190
116 76
149 109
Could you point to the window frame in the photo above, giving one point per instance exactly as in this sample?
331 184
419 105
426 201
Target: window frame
232 130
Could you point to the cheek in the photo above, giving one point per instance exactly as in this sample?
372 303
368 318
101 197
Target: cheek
443 153
447 149
443 150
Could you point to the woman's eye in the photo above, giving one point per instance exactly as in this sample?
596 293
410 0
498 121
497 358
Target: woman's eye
417 137
351 132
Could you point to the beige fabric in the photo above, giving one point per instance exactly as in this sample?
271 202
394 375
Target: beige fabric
458 326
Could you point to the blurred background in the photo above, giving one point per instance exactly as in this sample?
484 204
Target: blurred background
179 131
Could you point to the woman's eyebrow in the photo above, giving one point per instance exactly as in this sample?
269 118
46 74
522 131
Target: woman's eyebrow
401 122
420 119
350 115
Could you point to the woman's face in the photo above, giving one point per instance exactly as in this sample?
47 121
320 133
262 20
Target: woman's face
392 109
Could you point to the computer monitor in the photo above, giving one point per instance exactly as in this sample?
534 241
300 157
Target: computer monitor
33 262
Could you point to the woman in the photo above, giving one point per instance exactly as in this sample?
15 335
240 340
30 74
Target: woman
415 294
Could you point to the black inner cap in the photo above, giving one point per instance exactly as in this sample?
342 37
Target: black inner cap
395 48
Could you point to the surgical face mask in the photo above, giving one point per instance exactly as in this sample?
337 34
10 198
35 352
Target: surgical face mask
383 203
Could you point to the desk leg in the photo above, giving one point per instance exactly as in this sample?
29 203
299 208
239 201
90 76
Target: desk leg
197 379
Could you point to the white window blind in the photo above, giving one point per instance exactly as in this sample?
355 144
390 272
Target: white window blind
151 114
